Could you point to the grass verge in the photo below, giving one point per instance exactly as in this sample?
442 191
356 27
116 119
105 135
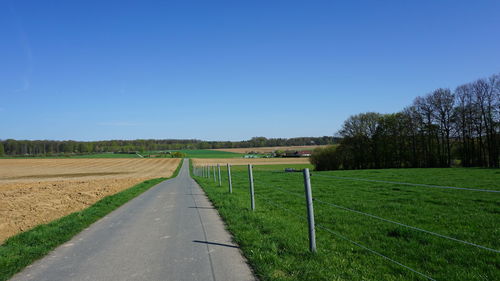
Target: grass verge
21 250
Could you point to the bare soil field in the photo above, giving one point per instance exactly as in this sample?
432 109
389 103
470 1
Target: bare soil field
35 191
253 161
268 149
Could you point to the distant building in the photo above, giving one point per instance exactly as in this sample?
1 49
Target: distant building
305 153
295 153
251 156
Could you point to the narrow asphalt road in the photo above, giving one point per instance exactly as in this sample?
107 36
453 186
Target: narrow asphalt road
170 232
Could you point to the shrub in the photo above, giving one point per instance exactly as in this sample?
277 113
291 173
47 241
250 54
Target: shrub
325 158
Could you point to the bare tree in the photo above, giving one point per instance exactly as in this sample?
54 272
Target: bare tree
442 103
463 125
423 106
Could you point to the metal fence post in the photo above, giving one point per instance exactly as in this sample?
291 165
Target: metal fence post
215 175
250 177
229 178
310 211
208 171
220 179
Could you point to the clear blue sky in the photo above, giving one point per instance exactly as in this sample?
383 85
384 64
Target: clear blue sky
229 70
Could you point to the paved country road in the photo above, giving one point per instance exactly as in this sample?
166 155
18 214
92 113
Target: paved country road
170 232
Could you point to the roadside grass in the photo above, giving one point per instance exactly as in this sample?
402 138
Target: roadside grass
21 250
275 240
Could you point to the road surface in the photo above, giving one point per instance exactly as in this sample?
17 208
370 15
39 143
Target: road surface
170 232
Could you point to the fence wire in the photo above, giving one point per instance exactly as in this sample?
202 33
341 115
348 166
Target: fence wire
374 252
405 225
292 213
302 196
270 202
410 184
389 221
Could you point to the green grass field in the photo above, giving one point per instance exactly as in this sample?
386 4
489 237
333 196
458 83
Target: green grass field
274 237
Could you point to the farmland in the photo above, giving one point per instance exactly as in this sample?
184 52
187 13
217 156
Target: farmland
207 153
190 153
268 149
71 156
254 161
274 237
35 191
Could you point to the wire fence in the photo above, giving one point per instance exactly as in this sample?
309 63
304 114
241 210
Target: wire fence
273 186
410 184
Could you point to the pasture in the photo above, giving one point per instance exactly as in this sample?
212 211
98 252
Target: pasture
36 191
370 224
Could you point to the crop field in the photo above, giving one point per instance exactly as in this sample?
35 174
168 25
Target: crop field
207 153
268 149
107 155
394 224
35 191
77 156
253 161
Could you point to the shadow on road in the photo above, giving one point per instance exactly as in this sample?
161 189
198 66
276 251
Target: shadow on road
216 244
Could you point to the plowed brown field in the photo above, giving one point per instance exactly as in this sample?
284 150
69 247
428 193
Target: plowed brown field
35 191
253 161
269 149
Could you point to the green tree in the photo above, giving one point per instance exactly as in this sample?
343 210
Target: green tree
2 151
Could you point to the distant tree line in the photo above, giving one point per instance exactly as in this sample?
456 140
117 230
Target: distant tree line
441 129
11 147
